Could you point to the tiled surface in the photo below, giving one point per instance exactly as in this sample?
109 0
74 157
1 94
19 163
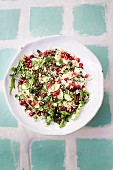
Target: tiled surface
9 20
103 117
6 55
95 154
49 21
88 17
102 54
89 22
48 155
8 155
6 118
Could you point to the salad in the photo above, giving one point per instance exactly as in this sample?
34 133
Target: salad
51 85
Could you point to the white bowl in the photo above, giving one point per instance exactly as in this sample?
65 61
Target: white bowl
95 86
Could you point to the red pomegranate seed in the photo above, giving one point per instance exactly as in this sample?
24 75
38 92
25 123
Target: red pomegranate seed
36 75
33 103
68 87
49 104
25 81
25 104
72 110
78 60
41 104
22 102
48 85
55 97
53 81
87 75
78 87
29 101
31 114
60 108
29 108
81 65
73 84
20 82
73 74
58 91
66 57
59 81
66 78
39 113
83 98
43 94
30 66
72 69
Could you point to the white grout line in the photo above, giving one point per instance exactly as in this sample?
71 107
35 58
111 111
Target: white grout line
70 155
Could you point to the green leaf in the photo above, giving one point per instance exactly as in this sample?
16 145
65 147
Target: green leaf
12 85
39 52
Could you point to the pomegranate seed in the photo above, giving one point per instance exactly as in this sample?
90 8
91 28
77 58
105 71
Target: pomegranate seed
25 81
72 110
36 75
59 118
58 91
39 113
31 114
60 108
29 101
73 84
22 102
53 81
87 75
29 108
59 81
73 74
25 104
72 69
33 103
20 82
48 85
83 98
34 71
49 104
28 58
66 57
53 59
68 87
71 58
36 98
78 87
41 104
43 94
78 60
23 78
31 56
30 66
81 65
66 78
55 97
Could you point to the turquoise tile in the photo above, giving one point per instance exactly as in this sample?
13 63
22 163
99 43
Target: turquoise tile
6 118
101 53
45 21
8 155
9 20
103 117
89 19
94 154
6 55
48 155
